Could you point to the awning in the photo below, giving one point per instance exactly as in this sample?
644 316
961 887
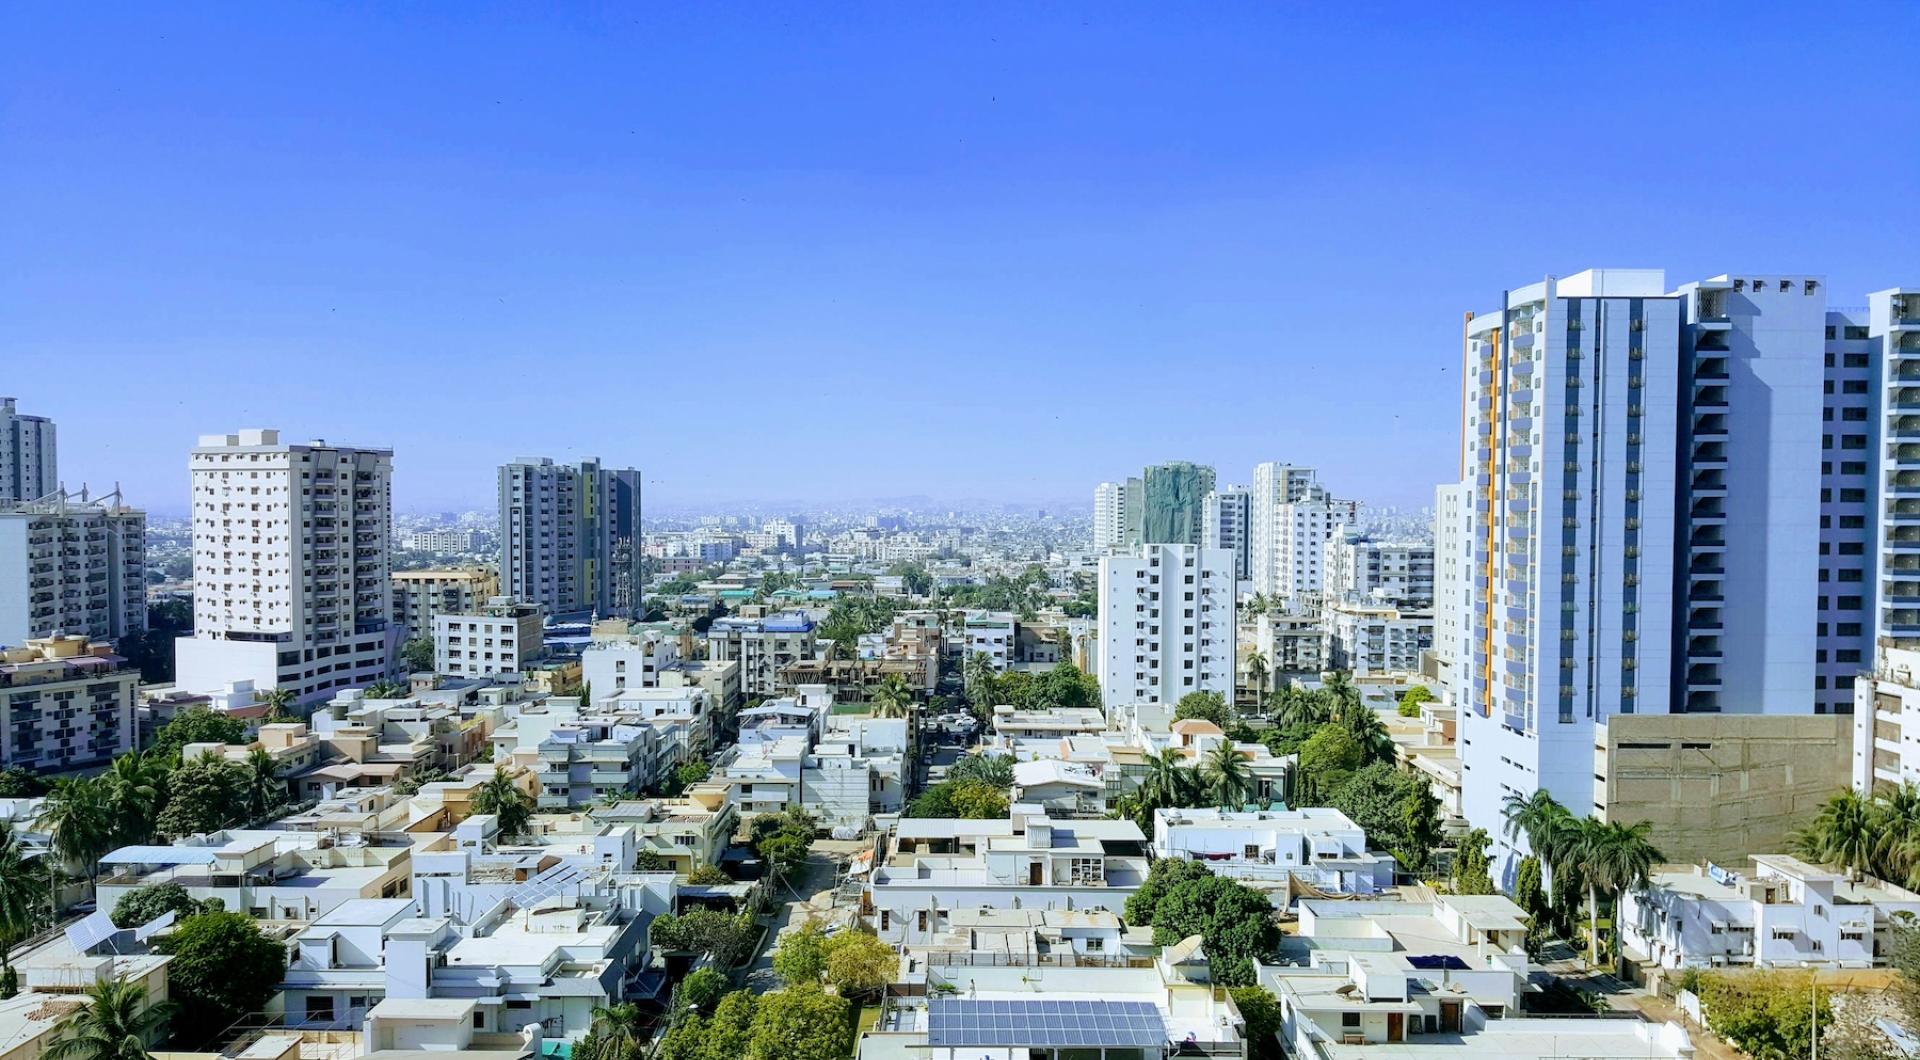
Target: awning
160 856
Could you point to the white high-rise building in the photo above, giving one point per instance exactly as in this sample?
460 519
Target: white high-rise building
1225 524
570 537
73 566
29 465
1109 515
291 560
1358 569
1273 485
1452 583
1665 518
1166 624
1301 530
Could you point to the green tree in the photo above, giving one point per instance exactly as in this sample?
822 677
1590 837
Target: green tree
142 904
915 577
23 901
727 937
1207 706
1765 1014
859 964
1412 698
976 801
1397 810
730 1032
891 698
204 795
511 807
385 689
616 1030
279 704
1235 924
1845 833
417 653
136 787
1614 857
265 791
801 956
703 988
1164 875
223 968
1472 872
196 725
1325 761
78 818
1228 778
1259 671
981 682
993 770
19 782
115 1022
692 772
1261 1010
799 1023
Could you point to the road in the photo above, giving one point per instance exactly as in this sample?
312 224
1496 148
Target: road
810 894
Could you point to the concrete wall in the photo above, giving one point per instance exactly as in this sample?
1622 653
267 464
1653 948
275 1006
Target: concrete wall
1720 787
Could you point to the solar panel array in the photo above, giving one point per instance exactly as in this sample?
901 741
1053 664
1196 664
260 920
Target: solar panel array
953 1022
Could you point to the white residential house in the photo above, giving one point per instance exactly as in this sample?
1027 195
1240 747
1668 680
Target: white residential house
930 868
1316 845
1784 913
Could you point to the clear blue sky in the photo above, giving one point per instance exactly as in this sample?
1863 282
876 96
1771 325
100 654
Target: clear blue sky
838 251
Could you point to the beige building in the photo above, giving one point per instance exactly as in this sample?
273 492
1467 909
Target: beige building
65 702
1719 787
420 595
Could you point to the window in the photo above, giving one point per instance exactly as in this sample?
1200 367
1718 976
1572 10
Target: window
1349 1019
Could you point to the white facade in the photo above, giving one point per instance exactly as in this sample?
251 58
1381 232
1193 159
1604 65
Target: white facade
29 457
1452 584
614 666
1166 624
1371 640
290 566
1273 485
1301 530
1318 845
1664 495
1109 515
1886 723
1358 569
1226 523
72 566
502 638
1785 913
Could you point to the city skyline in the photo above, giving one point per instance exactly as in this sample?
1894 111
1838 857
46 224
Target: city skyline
968 242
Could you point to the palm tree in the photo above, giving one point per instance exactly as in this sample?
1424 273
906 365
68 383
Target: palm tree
1898 844
384 689
278 702
1340 684
1257 669
265 789
1616 857
79 817
1258 605
891 698
979 675
1168 780
134 782
615 1027
501 797
1844 833
21 895
1292 706
1368 731
114 1023
1229 781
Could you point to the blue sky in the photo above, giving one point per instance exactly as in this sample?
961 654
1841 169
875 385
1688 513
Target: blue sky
843 251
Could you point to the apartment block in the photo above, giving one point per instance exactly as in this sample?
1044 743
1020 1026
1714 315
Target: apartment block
29 457
1274 484
763 647
291 566
1452 586
65 702
419 595
1110 514
1226 523
74 566
1375 640
1358 569
1669 510
499 638
1166 624
570 537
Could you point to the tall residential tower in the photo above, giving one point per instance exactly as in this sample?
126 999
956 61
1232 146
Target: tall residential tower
570 537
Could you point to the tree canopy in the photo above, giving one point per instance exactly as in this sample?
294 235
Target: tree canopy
223 968
1181 898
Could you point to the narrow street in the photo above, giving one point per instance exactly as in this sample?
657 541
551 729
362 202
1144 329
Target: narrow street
809 895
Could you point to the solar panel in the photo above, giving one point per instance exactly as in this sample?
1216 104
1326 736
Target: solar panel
958 1023
161 922
95 928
